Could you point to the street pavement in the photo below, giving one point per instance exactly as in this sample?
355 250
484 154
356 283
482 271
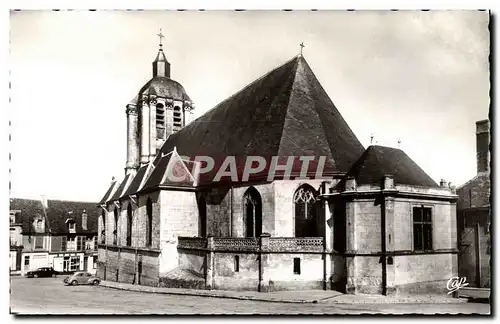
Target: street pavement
51 296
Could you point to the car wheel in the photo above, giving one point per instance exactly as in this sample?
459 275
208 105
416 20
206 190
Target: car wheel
74 283
35 275
95 282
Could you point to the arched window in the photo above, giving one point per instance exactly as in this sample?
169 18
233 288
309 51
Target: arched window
115 230
202 220
149 233
160 121
307 212
129 225
253 212
177 122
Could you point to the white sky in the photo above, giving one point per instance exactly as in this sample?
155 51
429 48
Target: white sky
422 77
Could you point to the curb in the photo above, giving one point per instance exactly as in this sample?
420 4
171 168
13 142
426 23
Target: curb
212 295
327 300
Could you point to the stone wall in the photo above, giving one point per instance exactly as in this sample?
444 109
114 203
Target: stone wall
368 223
193 261
128 265
402 269
280 271
443 223
475 193
225 276
179 217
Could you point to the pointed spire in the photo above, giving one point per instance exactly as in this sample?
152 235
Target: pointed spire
161 67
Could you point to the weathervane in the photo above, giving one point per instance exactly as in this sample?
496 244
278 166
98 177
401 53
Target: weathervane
301 47
371 138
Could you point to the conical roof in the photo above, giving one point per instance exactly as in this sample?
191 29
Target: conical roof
284 113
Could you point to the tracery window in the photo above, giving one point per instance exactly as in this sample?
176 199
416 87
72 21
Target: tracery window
307 208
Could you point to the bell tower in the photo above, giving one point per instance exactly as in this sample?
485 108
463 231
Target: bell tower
161 108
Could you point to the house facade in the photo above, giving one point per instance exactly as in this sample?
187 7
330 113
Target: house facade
311 209
16 241
474 215
56 233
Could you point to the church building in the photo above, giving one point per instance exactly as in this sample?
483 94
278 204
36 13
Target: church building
373 222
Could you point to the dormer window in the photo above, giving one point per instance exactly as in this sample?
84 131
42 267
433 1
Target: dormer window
38 225
71 225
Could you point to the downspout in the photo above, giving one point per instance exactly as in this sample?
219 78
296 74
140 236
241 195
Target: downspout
383 257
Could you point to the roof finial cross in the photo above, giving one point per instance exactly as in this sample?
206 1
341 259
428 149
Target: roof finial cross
301 47
161 37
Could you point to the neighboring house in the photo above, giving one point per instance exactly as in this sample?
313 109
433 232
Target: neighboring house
375 223
474 215
61 234
16 240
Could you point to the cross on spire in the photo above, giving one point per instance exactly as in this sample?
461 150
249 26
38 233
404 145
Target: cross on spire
301 47
161 38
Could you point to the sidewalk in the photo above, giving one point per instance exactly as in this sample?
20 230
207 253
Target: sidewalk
297 297
474 293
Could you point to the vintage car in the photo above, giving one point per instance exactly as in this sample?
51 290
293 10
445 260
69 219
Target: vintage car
81 278
41 272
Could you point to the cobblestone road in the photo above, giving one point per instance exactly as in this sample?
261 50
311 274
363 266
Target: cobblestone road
50 296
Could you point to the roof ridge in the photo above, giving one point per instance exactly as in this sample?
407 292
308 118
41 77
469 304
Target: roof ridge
246 87
288 102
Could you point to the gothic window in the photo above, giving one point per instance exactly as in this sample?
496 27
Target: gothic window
160 121
306 212
202 210
129 225
422 228
177 118
149 233
115 230
253 212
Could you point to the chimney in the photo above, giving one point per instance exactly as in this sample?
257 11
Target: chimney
84 220
443 183
482 145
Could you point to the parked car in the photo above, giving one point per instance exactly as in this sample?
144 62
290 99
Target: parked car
42 272
81 278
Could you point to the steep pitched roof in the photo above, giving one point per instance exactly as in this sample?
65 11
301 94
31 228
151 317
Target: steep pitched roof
121 188
135 185
284 113
29 210
109 193
378 161
57 214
